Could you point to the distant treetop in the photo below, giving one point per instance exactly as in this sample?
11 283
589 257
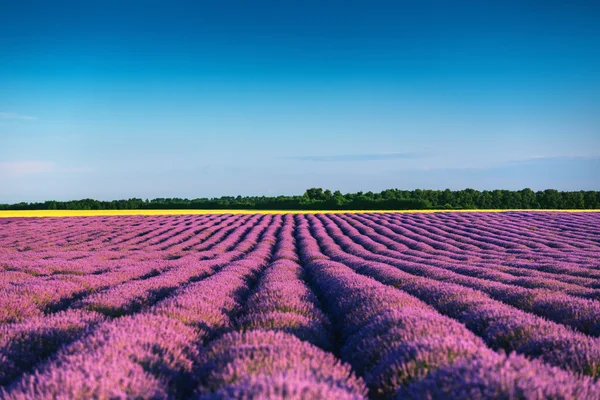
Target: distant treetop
319 199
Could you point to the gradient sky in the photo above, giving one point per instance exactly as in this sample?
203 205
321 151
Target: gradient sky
118 99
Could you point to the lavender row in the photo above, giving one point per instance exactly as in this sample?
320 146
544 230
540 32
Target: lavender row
484 271
517 240
188 304
135 295
403 349
501 326
548 267
148 355
581 314
516 225
398 343
59 230
283 301
270 355
24 344
223 226
266 364
143 356
494 246
392 232
32 298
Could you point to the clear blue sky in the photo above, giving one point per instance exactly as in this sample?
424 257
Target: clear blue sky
116 99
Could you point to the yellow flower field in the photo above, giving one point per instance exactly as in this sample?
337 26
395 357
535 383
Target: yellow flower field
91 213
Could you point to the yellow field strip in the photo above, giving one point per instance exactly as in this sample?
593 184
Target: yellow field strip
93 213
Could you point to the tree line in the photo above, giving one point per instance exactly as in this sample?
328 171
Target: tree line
319 199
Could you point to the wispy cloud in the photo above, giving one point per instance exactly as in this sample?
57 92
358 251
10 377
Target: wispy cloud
14 169
355 157
541 158
10 115
18 169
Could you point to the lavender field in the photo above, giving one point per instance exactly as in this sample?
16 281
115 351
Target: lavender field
325 306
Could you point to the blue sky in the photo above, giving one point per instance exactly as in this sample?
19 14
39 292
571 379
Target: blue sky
118 99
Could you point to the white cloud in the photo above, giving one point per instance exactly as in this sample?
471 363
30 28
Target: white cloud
14 169
10 115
